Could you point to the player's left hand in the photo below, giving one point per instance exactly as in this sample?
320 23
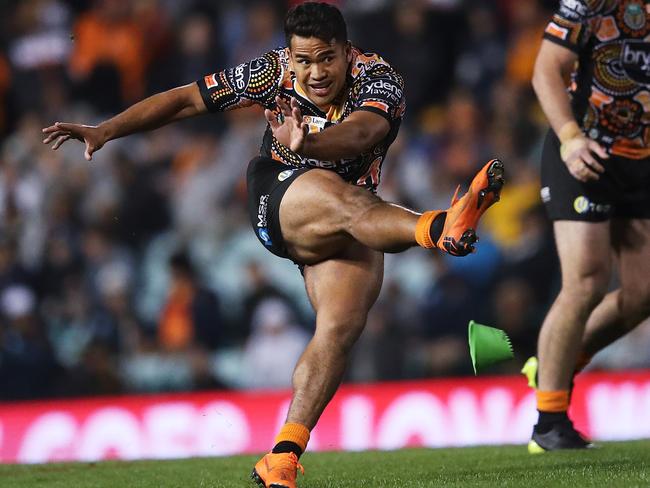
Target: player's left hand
291 131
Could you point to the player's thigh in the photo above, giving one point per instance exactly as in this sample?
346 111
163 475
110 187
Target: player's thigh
632 242
585 252
315 213
342 290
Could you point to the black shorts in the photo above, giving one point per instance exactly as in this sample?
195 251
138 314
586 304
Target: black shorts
267 181
622 191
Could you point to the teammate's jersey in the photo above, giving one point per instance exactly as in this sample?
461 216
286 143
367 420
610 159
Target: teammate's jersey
372 85
611 83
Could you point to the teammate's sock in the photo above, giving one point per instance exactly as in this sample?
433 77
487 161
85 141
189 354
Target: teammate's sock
429 228
583 360
552 407
552 401
292 438
547 420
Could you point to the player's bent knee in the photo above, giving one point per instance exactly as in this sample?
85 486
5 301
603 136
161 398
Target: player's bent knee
587 292
342 334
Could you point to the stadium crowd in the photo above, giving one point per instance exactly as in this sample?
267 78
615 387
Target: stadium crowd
138 271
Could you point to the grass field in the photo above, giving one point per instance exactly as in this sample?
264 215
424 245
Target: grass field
622 464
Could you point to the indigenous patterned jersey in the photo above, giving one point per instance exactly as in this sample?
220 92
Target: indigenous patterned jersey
372 85
611 83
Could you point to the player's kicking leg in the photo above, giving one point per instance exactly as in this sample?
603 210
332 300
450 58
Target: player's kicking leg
332 211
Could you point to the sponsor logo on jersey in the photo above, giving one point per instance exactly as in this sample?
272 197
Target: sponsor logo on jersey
261 211
319 164
210 81
583 205
572 9
285 174
545 193
315 124
264 236
383 88
634 16
555 30
240 76
635 59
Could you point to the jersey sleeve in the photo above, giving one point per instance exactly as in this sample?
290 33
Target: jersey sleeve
572 24
255 82
380 91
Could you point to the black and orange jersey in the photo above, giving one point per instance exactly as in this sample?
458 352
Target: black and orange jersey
610 87
372 85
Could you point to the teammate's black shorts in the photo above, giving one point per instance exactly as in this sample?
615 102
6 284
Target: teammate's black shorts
267 181
622 191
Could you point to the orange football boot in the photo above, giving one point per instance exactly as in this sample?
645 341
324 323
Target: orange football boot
459 232
277 470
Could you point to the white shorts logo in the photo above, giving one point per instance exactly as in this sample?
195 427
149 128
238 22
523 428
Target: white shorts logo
285 174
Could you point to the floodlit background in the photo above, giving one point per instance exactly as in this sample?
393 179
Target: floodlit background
138 272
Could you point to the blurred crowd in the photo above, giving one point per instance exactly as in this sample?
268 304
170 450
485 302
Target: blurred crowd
138 272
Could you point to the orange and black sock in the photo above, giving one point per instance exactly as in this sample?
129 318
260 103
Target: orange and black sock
292 438
429 228
552 407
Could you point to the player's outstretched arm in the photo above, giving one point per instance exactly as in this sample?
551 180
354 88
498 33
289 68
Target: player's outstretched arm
356 134
150 113
552 64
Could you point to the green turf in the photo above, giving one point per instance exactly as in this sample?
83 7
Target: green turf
622 464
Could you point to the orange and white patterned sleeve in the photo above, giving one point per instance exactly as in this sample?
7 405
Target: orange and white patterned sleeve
380 90
573 23
254 82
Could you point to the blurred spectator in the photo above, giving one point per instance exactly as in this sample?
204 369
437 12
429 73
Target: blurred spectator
38 48
195 53
380 352
191 315
515 310
528 23
108 61
261 32
480 62
447 308
273 330
142 210
260 290
27 366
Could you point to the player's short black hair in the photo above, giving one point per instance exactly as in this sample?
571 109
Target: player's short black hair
315 19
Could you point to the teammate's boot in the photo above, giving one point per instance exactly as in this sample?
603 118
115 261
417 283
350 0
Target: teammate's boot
277 470
530 368
459 230
530 371
559 435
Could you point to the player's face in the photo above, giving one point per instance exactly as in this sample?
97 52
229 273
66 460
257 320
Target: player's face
320 67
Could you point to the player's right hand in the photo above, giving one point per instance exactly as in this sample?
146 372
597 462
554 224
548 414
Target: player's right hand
577 155
91 135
